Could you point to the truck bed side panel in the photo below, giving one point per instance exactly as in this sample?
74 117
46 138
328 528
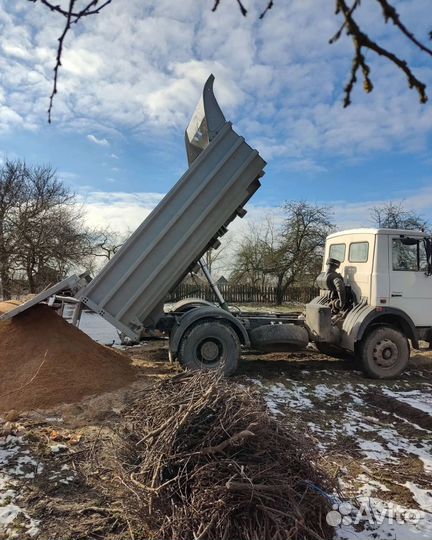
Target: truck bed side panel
178 231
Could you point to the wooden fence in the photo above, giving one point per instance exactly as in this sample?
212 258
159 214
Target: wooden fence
239 294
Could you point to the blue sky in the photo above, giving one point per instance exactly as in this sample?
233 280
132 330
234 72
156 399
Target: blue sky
132 76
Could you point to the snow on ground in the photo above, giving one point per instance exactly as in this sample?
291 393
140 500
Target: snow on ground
19 469
384 459
415 398
16 465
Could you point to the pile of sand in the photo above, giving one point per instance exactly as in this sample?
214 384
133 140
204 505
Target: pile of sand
45 361
8 305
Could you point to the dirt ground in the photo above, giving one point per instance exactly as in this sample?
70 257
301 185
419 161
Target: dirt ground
374 436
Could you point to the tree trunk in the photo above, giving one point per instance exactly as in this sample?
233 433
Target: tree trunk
5 284
279 291
31 282
31 278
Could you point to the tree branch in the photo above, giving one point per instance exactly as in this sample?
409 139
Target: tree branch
243 10
72 17
361 41
390 13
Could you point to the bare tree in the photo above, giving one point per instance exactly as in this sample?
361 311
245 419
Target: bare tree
12 183
289 254
347 10
41 228
251 265
298 255
215 258
393 215
52 242
106 242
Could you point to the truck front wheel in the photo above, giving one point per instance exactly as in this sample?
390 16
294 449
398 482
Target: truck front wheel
384 353
210 345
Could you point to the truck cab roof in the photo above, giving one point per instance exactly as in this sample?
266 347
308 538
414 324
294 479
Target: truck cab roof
375 231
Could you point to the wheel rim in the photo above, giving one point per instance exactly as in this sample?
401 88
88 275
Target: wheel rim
209 351
386 354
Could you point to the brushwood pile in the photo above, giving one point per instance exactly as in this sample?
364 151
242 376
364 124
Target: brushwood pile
199 456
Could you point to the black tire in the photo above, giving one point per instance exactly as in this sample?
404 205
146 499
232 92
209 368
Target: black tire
279 338
333 351
384 353
210 345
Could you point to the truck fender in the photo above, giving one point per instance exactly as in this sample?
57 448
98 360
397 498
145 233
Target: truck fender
363 315
191 317
189 303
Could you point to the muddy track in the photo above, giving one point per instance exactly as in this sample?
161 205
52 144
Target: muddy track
399 408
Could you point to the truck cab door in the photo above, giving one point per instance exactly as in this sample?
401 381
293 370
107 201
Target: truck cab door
410 287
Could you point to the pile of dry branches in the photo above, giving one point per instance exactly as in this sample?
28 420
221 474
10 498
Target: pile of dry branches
200 457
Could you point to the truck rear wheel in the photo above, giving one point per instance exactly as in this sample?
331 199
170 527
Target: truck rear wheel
210 345
384 353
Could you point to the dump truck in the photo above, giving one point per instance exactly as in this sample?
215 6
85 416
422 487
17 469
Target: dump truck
367 307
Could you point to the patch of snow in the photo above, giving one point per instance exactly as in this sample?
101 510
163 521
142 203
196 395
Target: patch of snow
415 398
375 450
383 519
14 463
423 497
273 406
8 514
294 397
388 531
324 392
57 447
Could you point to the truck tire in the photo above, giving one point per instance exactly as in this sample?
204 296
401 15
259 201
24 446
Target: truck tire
384 353
279 337
332 350
210 345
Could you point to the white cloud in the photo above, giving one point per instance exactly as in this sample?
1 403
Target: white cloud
95 140
125 211
141 67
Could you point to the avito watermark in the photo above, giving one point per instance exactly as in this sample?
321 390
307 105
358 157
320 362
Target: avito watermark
346 514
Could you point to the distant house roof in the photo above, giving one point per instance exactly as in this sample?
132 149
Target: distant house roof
196 279
222 281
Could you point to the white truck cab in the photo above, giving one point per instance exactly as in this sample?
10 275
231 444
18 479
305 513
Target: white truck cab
385 299
381 268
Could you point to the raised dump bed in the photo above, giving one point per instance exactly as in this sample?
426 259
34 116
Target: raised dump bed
223 174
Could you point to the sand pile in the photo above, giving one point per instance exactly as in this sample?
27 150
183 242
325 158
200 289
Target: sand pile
45 361
8 305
